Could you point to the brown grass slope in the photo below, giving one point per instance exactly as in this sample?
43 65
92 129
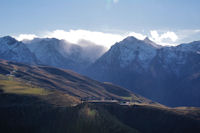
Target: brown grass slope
67 82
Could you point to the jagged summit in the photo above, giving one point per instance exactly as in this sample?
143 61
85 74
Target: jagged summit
128 52
147 40
132 40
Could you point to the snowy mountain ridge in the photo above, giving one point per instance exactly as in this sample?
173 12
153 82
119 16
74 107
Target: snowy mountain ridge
50 51
11 49
131 50
159 73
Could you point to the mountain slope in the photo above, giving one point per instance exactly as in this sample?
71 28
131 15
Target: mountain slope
128 53
159 73
67 82
50 52
27 108
11 49
62 54
38 99
58 53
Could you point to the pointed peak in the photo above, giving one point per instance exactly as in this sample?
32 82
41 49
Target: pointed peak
148 41
9 40
130 38
128 41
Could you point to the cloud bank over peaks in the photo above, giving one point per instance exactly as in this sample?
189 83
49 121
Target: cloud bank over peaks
106 40
75 36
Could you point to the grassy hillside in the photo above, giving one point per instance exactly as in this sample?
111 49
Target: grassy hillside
27 108
48 100
10 85
24 108
67 82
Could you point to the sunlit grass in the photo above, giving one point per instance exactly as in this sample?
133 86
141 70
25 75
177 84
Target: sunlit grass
9 85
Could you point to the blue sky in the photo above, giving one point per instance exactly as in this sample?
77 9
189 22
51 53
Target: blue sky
164 21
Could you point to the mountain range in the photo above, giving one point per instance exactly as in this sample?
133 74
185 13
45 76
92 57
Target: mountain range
168 75
51 52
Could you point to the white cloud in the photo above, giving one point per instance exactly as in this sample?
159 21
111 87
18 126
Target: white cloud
165 38
74 36
100 38
155 35
170 35
25 37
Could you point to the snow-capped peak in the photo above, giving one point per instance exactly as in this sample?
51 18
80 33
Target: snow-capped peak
130 39
131 50
11 49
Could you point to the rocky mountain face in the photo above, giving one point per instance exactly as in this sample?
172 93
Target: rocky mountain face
169 75
11 49
51 52
58 53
